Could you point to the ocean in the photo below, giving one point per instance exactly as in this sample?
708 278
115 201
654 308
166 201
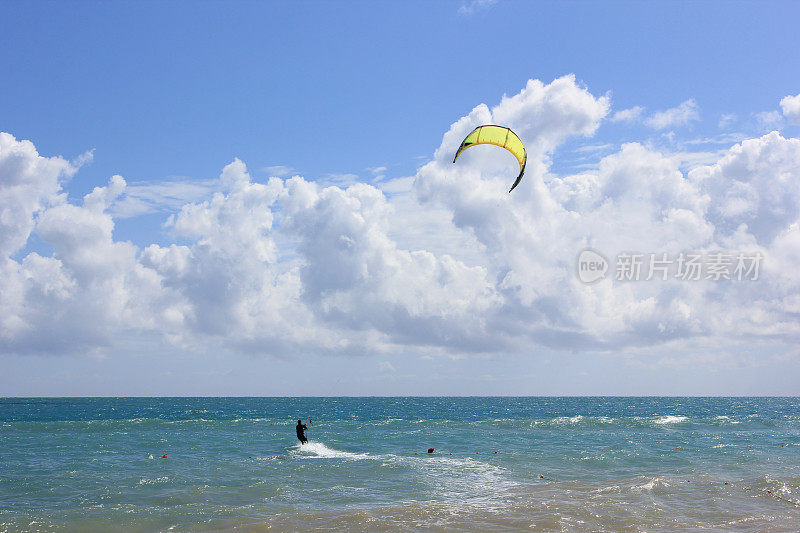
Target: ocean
500 464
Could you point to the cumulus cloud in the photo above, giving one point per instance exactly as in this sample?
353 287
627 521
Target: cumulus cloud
681 115
356 276
445 260
790 105
28 184
632 114
88 290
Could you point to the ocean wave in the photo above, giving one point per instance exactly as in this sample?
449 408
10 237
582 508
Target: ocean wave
627 504
671 419
581 421
726 419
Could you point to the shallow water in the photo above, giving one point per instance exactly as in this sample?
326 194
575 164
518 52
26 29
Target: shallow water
566 464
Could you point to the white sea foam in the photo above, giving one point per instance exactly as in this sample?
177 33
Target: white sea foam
645 486
469 479
156 481
670 419
318 450
649 485
564 420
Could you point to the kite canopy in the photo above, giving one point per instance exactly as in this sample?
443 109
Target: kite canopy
499 136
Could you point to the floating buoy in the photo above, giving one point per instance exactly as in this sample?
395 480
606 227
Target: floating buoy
688 481
150 456
415 453
541 476
769 492
430 450
726 482
495 452
677 447
164 456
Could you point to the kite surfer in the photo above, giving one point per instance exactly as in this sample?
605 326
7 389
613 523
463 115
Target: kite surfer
301 428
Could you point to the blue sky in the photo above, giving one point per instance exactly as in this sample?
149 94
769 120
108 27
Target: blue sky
167 94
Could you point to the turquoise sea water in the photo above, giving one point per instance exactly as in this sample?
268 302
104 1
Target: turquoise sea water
566 464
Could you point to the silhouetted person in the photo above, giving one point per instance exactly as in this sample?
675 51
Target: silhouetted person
301 435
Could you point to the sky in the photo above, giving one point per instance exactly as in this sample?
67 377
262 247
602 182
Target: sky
236 198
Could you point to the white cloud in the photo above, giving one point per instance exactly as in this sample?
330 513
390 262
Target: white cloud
632 114
594 148
378 173
279 171
473 6
790 105
768 120
355 275
445 261
28 184
161 197
677 116
725 120
386 366
754 184
341 179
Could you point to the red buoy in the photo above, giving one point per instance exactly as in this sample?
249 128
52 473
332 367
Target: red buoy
164 456
430 450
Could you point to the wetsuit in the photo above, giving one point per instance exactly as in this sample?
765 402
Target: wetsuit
301 433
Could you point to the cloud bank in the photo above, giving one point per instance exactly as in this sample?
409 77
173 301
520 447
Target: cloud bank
291 267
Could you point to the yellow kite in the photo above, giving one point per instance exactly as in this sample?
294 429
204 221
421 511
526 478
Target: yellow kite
499 136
